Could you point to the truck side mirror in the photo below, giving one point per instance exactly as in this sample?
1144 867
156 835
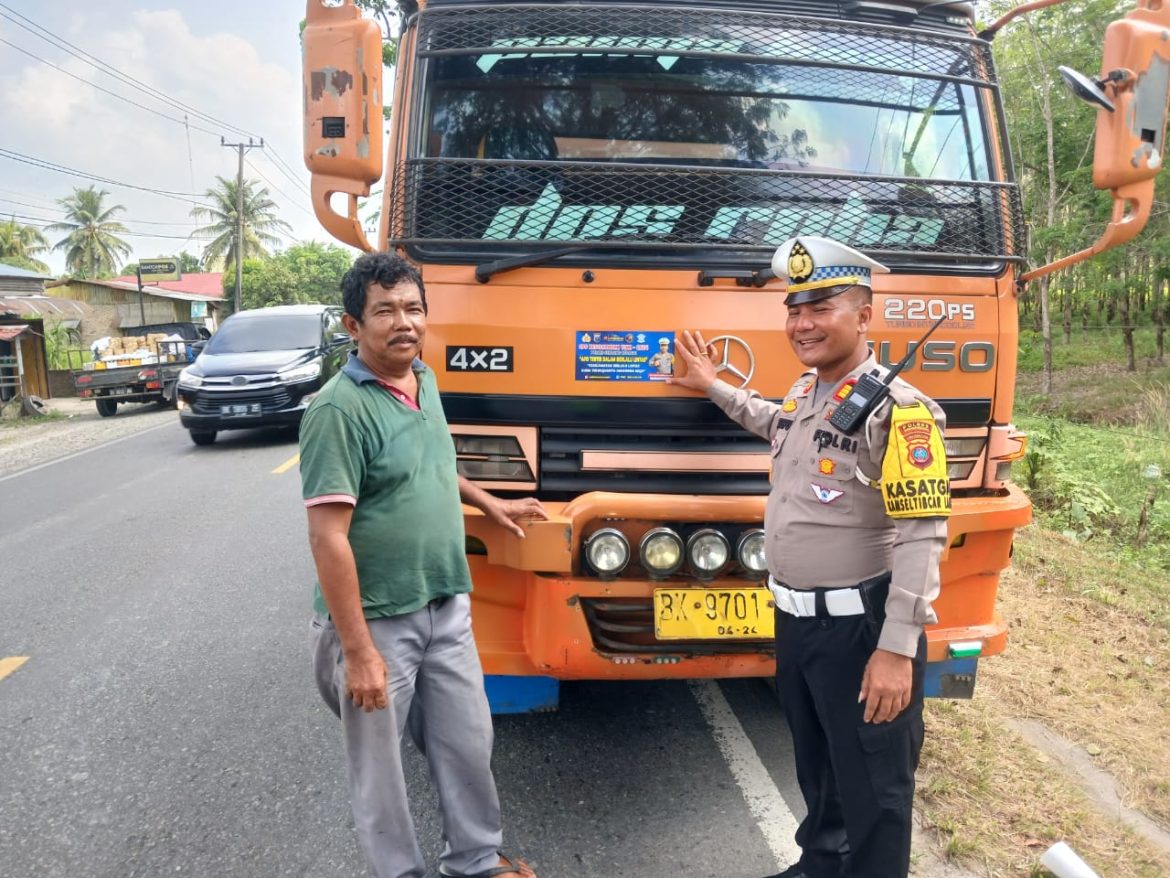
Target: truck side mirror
1131 96
1136 77
341 338
342 81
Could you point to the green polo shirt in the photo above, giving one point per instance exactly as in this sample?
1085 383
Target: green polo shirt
359 442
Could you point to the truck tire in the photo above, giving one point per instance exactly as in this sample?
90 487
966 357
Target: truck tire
107 408
202 437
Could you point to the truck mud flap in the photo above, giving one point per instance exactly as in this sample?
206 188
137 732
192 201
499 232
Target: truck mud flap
954 678
521 694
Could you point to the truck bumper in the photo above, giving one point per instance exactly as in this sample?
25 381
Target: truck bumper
532 612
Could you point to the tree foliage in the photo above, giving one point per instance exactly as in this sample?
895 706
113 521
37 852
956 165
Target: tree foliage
91 243
303 274
261 224
20 245
1051 135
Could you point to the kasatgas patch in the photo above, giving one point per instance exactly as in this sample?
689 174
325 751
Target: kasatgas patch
914 470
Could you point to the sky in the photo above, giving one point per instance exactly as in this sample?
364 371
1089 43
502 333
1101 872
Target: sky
238 62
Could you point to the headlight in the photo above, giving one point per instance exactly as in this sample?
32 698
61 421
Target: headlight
708 550
607 551
751 551
187 378
300 373
661 551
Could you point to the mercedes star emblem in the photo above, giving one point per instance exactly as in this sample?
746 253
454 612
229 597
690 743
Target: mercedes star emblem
731 352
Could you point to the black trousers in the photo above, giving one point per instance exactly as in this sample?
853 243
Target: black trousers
857 778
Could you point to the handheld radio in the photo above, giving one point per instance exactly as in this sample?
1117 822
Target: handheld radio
870 390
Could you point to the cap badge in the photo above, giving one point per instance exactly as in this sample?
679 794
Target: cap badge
800 264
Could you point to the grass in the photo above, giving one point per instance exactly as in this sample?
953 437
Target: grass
9 420
1096 672
1089 646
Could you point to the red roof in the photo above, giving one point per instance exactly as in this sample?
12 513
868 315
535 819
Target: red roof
208 284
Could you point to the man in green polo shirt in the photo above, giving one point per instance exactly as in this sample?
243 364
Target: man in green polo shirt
392 642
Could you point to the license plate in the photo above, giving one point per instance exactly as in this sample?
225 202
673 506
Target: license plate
240 410
121 391
713 614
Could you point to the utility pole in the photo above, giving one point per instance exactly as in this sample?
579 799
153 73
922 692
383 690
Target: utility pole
241 148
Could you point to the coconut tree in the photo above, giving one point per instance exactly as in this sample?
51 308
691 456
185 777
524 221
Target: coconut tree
91 243
261 224
19 245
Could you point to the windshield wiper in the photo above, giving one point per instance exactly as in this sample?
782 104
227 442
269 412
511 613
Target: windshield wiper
483 273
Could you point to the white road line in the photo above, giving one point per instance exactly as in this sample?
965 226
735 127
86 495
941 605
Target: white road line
773 816
33 469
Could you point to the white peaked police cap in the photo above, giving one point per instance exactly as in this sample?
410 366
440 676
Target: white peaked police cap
818 268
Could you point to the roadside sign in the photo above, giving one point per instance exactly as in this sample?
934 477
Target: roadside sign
162 268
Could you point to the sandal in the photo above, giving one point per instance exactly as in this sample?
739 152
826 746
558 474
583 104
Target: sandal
514 867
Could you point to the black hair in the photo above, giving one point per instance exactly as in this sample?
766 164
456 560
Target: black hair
386 269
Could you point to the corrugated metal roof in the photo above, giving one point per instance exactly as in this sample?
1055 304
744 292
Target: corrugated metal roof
189 295
43 305
7 270
208 284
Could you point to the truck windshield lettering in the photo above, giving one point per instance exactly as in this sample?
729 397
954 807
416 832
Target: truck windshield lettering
548 218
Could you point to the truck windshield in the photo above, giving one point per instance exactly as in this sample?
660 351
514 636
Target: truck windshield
731 141
267 332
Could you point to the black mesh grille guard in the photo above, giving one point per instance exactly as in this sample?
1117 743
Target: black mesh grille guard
467 208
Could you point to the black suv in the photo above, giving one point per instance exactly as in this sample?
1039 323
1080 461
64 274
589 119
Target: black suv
261 369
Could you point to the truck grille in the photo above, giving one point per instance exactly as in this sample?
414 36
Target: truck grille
561 470
627 625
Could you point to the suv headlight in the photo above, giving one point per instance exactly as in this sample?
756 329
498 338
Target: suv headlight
190 379
300 373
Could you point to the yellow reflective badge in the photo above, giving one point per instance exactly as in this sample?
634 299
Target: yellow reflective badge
914 470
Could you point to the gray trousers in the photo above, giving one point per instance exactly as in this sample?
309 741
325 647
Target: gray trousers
436 691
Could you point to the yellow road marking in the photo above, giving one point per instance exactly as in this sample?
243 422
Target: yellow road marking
10 664
287 465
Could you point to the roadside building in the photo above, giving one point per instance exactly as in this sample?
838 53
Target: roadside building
117 303
25 311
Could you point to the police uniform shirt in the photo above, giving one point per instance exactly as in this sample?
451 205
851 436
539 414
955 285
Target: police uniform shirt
825 526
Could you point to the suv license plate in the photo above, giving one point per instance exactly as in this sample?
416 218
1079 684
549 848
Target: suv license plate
714 614
240 410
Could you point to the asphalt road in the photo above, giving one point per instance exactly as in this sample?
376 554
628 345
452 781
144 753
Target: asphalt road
165 721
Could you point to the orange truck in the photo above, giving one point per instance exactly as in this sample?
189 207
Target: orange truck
579 181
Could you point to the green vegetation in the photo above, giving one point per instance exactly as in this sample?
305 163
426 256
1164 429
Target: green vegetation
261 224
302 274
20 244
91 243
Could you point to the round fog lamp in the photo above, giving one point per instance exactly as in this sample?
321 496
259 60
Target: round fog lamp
607 551
708 551
751 551
661 551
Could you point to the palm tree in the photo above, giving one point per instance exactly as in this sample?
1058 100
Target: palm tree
91 243
19 244
260 223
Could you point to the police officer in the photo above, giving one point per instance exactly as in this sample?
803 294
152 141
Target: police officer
855 525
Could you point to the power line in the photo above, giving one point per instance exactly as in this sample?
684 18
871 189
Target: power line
62 169
283 167
277 189
105 90
44 223
65 213
61 43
